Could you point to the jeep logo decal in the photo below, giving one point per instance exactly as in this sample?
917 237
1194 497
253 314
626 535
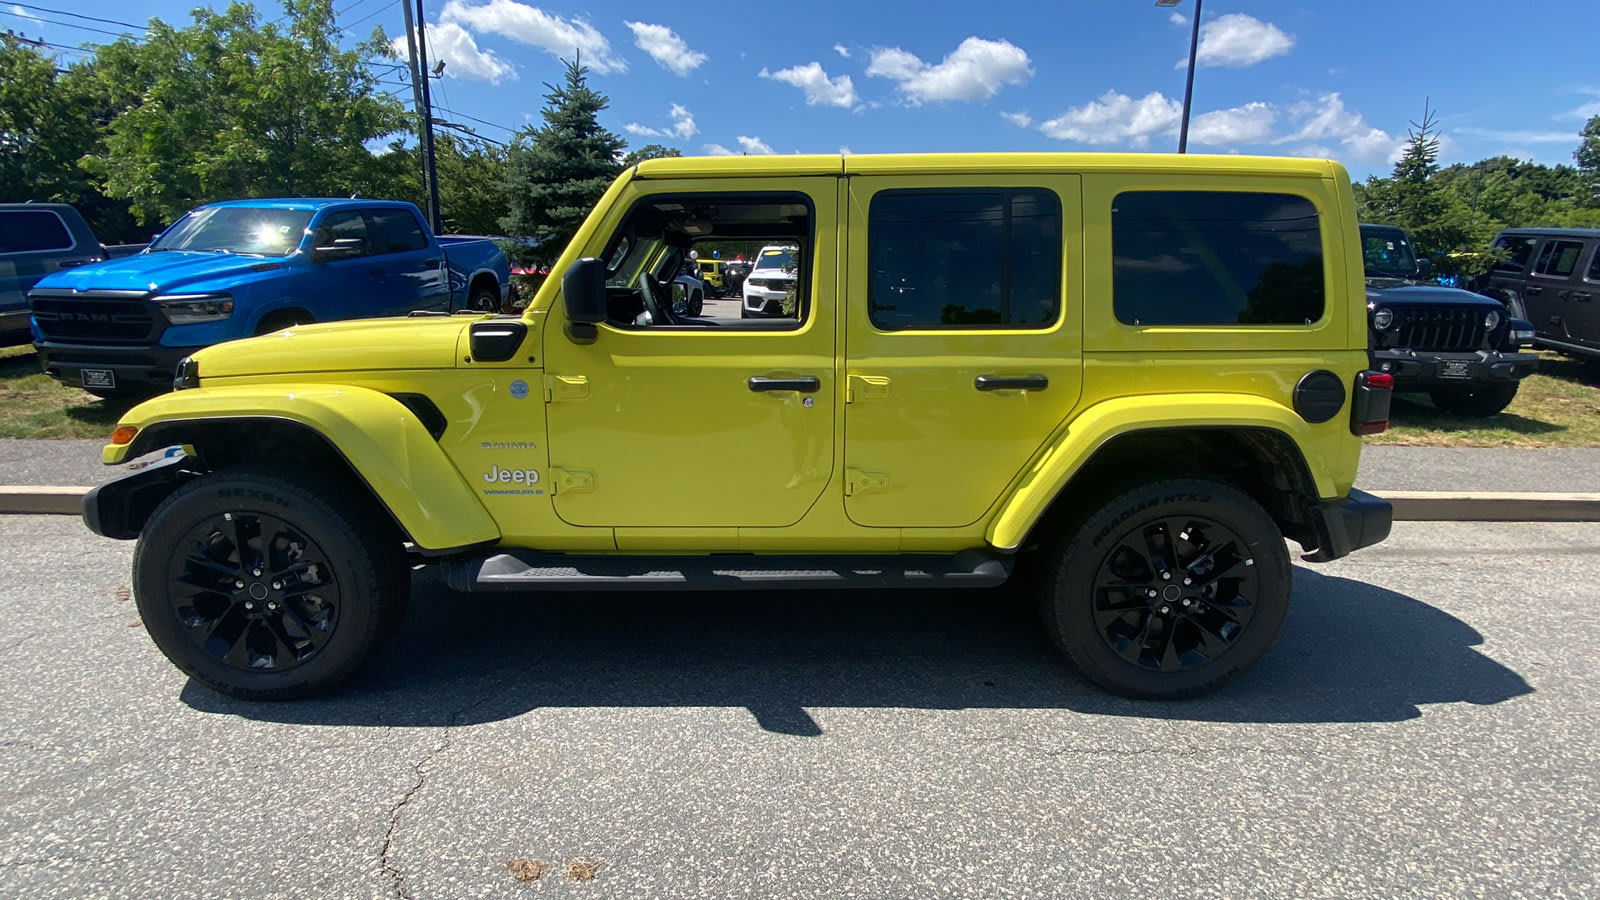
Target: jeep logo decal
511 476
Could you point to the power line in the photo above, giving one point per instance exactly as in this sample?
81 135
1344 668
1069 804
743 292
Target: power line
461 115
375 13
62 12
35 42
24 18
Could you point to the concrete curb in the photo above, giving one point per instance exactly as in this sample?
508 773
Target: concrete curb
1409 506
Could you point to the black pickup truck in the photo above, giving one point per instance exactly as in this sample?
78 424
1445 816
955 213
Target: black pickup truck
1463 349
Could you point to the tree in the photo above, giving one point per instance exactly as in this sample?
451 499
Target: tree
230 108
1411 197
472 179
650 151
557 172
1588 156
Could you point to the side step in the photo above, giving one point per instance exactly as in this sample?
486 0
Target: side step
524 570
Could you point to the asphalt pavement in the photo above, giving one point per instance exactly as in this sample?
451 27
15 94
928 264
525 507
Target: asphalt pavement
1427 725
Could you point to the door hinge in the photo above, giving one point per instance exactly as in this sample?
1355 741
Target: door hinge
565 387
858 482
867 387
570 481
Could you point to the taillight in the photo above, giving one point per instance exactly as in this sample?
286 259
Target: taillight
1369 414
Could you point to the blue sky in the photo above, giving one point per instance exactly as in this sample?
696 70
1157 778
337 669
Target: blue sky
1296 78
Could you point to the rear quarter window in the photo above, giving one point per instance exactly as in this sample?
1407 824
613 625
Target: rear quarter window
32 231
1216 258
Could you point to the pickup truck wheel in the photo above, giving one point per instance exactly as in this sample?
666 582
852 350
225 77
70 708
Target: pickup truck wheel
1169 590
1476 402
264 584
484 299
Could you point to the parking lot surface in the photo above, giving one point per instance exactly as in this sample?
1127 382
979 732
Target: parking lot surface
1426 725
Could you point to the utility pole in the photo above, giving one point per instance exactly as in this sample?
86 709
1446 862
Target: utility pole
417 45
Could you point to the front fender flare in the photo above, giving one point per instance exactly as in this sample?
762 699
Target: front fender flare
381 440
1104 421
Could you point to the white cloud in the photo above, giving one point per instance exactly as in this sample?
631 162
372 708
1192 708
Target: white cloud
842 50
1178 18
1327 119
666 48
1237 40
1584 110
1116 119
820 90
24 14
455 45
682 126
719 150
755 146
976 70
1019 119
537 28
1247 124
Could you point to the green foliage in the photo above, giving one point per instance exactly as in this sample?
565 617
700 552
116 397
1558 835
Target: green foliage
472 184
228 107
557 172
650 151
1588 156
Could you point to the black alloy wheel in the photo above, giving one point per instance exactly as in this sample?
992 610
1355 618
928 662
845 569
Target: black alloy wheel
1169 590
484 299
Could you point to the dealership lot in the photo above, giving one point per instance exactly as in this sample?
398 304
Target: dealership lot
1426 724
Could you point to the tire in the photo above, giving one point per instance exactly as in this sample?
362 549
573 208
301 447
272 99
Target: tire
484 299
1476 402
281 320
288 620
697 304
743 313
1187 640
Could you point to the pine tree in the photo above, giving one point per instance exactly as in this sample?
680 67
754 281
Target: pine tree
558 172
1588 156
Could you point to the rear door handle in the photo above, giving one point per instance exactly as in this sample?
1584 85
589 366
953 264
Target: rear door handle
1011 382
1581 295
805 384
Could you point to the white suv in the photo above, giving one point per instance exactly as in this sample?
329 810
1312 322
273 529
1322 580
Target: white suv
769 282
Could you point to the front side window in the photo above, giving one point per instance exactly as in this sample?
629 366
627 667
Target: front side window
32 231
964 258
1216 258
237 229
1558 259
346 231
395 231
1518 251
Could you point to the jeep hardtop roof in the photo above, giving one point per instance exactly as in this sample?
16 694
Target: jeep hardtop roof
927 163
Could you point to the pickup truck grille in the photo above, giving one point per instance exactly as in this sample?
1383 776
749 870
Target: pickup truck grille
90 319
1447 329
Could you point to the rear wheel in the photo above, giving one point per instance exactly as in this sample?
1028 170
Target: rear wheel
1476 402
1169 590
484 298
264 584
697 304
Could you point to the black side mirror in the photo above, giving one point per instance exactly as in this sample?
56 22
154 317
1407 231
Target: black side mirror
341 248
583 294
1422 264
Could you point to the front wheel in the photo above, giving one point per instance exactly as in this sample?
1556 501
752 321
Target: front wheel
266 584
697 304
1169 590
1476 402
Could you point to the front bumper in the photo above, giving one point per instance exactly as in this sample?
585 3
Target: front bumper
119 508
1346 525
14 327
762 302
136 368
1422 370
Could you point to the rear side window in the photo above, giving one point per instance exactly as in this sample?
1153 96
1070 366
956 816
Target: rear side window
964 259
1594 267
32 230
1216 258
1559 259
1518 251
396 231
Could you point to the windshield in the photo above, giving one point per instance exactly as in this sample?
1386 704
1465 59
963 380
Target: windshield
1387 252
236 229
776 259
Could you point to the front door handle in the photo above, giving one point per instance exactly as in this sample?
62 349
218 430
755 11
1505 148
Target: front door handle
1533 289
1011 383
1581 295
805 384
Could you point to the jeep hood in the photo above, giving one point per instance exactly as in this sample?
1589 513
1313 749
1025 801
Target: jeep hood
165 272
363 345
1428 296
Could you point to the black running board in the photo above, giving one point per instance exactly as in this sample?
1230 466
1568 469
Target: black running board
524 570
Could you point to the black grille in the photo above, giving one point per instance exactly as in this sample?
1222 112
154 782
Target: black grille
1442 328
87 319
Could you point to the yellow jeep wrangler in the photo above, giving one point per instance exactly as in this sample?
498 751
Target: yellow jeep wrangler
1130 376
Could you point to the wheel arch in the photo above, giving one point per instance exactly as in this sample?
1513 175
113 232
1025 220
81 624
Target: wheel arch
379 441
292 311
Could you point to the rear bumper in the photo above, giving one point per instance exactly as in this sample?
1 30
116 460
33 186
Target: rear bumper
136 368
1420 370
1346 525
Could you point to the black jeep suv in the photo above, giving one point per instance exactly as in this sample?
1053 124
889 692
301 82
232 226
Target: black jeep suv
1462 348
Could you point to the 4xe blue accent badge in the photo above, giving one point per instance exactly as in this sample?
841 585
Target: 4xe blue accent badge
519 389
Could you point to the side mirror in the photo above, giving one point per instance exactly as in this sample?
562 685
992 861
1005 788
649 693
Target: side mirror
1422 264
583 295
341 248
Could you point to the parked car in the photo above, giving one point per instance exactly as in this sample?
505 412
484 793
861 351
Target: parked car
710 271
37 239
769 283
1551 277
1463 349
248 267
734 272
1129 375
689 292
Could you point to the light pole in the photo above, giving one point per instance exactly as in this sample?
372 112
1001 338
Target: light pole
1188 86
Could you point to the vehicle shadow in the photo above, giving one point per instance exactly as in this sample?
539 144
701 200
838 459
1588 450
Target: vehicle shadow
1416 409
1349 652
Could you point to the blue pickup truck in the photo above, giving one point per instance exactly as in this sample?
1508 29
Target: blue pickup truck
248 267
